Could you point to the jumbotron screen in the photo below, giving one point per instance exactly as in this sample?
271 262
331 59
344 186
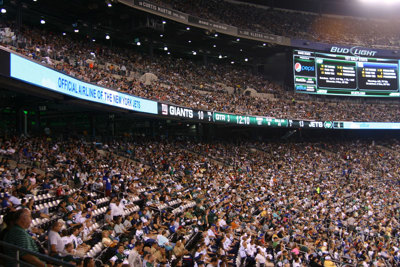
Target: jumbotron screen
332 74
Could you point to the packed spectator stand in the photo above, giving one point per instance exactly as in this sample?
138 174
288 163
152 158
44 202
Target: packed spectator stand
183 82
294 24
177 202
182 203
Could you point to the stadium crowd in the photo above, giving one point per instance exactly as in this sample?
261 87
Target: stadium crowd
182 203
184 82
306 26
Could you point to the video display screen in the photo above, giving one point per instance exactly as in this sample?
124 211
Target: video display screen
323 73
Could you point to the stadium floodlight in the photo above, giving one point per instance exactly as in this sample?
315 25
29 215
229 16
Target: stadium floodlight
168 53
165 48
388 2
107 37
161 35
42 21
220 56
164 22
232 62
237 40
246 59
216 35
109 5
189 41
138 43
264 44
93 40
3 11
64 34
214 46
194 53
188 28
76 30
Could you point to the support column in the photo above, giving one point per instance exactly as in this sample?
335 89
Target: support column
205 60
151 51
93 126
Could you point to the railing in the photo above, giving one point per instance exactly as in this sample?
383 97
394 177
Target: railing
19 262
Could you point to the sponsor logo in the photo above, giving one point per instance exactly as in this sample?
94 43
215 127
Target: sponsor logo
355 51
164 109
298 67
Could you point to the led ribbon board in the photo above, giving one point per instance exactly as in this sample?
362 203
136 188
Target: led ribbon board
36 74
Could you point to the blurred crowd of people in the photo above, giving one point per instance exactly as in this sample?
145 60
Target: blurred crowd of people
183 203
307 26
184 82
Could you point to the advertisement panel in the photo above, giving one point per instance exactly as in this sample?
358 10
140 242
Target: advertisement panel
36 74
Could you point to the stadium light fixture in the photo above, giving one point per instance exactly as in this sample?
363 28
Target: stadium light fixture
189 41
165 48
216 35
390 2
214 46
232 62
76 30
237 40
42 21
3 11
246 59
64 34
164 22
161 35
138 43
194 53
34 0
220 56
264 44
188 28
387 2
107 37
93 40
168 53
109 5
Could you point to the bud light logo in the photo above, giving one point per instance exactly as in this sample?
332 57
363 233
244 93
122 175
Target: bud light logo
298 67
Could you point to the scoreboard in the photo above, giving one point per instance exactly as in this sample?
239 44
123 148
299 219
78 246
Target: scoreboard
323 73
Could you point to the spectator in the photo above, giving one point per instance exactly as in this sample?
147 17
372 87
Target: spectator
134 257
17 235
56 244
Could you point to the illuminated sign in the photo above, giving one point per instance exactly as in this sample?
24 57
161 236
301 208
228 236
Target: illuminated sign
355 51
34 73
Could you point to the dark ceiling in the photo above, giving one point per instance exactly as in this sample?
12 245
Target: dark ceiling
125 26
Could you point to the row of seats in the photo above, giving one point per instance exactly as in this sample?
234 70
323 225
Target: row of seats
184 207
95 250
47 205
169 204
